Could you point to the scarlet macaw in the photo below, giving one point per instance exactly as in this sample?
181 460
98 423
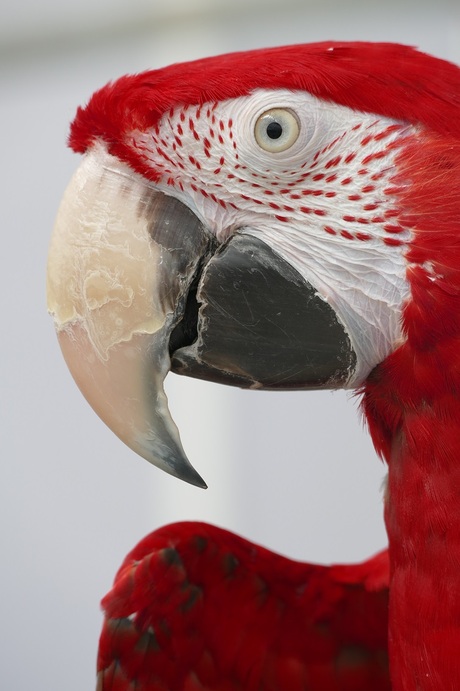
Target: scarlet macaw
282 218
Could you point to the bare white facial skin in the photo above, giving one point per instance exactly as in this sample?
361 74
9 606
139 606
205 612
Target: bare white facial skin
324 200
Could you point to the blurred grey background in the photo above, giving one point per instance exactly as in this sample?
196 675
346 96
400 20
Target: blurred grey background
295 472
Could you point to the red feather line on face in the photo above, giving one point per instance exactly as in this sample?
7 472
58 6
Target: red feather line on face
389 79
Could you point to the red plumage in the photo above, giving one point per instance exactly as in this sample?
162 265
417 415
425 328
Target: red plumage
195 607
412 405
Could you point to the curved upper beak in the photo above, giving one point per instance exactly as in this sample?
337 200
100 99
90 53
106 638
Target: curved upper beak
121 262
138 286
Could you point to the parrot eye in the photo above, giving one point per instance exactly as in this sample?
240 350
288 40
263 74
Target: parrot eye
276 130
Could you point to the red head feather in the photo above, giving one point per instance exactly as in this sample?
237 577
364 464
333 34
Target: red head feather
388 79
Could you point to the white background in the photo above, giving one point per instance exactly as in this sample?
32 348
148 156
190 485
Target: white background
293 471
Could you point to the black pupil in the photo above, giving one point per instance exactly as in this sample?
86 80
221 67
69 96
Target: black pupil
274 130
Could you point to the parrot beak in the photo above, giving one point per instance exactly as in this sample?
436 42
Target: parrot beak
121 262
138 286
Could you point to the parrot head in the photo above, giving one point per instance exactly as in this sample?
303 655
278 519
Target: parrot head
249 220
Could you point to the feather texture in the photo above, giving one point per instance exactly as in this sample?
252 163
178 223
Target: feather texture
390 79
412 404
197 608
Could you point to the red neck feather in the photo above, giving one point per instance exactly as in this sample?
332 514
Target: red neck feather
412 403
